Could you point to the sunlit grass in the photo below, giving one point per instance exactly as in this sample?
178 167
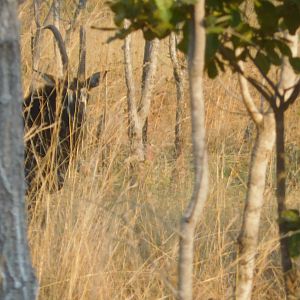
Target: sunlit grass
100 238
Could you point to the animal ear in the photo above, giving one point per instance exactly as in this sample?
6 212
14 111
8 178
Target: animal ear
49 79
93 81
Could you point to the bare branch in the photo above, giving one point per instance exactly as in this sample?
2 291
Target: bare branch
263 91
292 98
268 80
248 100
77 12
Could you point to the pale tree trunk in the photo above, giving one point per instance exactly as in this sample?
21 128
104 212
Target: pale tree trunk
248 239
138 113
149 70
267 124
133 119
200 191
179 81
148 53
286 86
17 280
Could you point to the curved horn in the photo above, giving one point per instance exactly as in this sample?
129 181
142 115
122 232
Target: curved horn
61 46
82 55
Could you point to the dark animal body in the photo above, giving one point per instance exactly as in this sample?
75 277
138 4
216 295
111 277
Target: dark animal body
53 118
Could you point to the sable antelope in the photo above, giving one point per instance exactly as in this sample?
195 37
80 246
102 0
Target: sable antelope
56 112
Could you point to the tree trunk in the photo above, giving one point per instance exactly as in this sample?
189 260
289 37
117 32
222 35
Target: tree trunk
200 192
17 277
146 66
149 70
287 81
138 113
248 239
290 273
133 120
179 81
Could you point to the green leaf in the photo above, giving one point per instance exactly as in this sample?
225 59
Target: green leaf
212 46
262 62
295 63
236 19
290 215
290 219
272 54
183 45
267 16
294 245
291 12
212 70
228 54
283 48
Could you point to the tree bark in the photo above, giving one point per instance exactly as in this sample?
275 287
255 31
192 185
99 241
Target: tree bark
254 201
200 191
133 119
179 81
248 239
138 113
17 277
287 81
264 144
281 186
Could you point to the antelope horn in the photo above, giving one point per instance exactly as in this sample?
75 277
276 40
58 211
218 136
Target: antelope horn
61 46
82 55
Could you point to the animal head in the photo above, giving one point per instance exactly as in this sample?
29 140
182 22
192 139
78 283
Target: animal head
76 91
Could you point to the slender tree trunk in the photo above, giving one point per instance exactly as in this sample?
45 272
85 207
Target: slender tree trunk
146 66
281 185
179 81
133 119
138 113
248 239
200 192
17 280
149 71
290 272
287 81
264 144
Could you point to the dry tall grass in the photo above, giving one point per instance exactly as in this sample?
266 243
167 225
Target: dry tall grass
98 238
